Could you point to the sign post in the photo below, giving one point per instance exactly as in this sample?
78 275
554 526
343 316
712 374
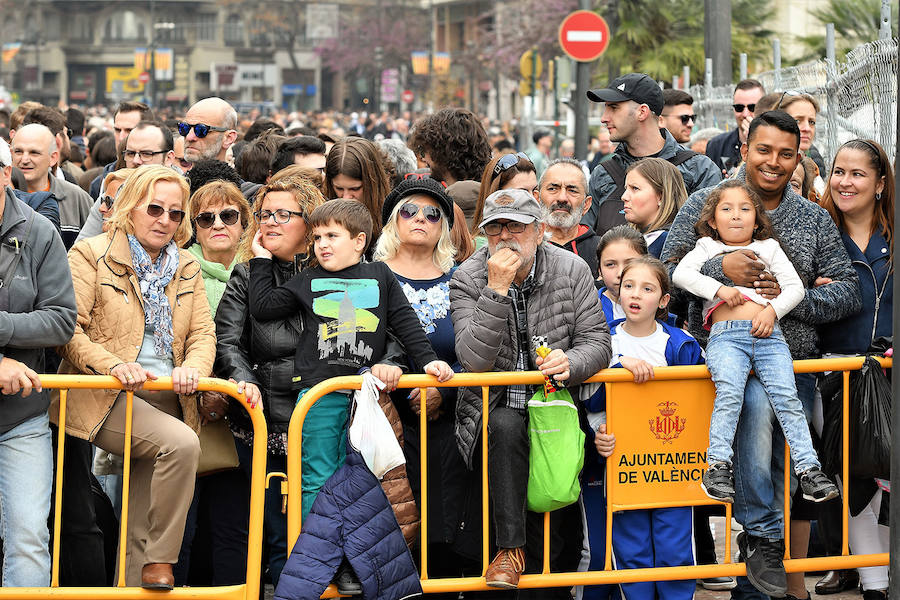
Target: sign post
584 36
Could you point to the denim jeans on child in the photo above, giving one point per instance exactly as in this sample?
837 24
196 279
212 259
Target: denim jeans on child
730 354
26 473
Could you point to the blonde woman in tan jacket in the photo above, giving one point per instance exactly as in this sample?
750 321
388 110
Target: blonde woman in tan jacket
143 314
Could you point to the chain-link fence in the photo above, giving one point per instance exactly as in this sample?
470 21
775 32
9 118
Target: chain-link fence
857 97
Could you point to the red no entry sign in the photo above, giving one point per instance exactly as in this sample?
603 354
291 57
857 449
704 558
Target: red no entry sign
408 96
584 35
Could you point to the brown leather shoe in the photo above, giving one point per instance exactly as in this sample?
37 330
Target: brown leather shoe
157 576
505 569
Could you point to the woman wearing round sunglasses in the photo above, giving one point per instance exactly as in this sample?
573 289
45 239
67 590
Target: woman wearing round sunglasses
261 353
219 213
504 172
143 314
416 244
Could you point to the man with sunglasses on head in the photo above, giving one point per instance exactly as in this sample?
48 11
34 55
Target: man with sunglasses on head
633 104
678 116
209 128
725 149
506 300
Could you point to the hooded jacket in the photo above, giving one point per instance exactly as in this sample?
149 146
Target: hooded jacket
585 246
351 517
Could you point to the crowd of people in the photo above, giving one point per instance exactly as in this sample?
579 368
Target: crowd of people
281 251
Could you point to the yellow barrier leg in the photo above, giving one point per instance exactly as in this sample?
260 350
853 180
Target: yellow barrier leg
546 567
57 505
787 500
485 524
423 478
126 484
845 466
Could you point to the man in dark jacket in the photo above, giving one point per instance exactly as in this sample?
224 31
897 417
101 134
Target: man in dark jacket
563 193
37 310
507 299
633 104
813 244
725 149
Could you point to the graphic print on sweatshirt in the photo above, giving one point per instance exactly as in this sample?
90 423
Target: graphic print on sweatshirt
346 308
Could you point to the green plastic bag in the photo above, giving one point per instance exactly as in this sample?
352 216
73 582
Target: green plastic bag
557 451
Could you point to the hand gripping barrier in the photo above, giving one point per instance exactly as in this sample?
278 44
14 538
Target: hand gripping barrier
655 412
248 591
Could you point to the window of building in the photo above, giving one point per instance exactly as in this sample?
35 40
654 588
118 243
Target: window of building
125 25
234 31
206 27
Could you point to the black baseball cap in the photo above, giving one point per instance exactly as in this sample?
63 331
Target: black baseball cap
639 87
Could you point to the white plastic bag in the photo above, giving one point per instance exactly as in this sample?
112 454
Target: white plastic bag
370 432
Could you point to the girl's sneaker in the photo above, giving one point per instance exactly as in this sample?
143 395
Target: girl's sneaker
718 482
816 486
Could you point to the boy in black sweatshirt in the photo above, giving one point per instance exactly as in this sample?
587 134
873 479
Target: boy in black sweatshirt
347 307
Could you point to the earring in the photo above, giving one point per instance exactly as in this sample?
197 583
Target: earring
878 196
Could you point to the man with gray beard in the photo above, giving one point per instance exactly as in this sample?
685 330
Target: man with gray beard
562 193
511 296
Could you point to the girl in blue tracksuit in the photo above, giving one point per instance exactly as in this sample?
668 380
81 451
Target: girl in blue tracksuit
641 538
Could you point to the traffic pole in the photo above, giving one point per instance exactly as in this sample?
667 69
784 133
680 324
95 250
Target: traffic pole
580 104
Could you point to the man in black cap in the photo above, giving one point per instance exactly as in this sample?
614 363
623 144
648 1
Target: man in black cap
634 103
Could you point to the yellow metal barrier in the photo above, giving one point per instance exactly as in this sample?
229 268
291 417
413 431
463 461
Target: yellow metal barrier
620 384
248 591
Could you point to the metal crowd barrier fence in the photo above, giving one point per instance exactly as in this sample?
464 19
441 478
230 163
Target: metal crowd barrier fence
247 591
654 412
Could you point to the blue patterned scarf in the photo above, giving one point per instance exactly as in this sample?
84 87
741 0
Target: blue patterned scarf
154 278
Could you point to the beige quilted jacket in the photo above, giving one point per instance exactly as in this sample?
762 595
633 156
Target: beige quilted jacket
110 327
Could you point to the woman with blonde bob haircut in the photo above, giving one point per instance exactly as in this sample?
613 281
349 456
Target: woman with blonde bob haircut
654 191
418 216
143 314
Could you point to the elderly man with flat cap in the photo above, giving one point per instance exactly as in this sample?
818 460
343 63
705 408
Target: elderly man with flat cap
507 299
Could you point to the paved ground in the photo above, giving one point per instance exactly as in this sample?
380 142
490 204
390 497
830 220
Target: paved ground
702 594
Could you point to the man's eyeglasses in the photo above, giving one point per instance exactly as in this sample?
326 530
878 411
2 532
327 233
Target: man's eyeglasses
685 119
205 220
282 215
145 154
156 211
739 108
786 93
508 161
201 130
107 201
494 228
408 210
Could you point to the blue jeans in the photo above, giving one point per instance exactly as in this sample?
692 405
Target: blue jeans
730 354
26 474
759 468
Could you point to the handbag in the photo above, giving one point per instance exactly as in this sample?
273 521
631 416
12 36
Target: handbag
870 422
217 451
557 450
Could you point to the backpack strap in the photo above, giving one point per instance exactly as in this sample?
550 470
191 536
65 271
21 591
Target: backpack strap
615 170
681 156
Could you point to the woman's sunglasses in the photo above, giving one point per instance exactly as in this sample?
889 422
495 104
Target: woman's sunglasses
409 210
201 130
508 161
205 220
156 211
107 201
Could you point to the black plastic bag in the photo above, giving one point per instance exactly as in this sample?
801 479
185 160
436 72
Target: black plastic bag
870 422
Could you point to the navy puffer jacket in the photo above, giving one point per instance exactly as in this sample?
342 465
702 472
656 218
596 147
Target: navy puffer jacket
351 516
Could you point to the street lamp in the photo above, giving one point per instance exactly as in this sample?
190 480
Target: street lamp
153 83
